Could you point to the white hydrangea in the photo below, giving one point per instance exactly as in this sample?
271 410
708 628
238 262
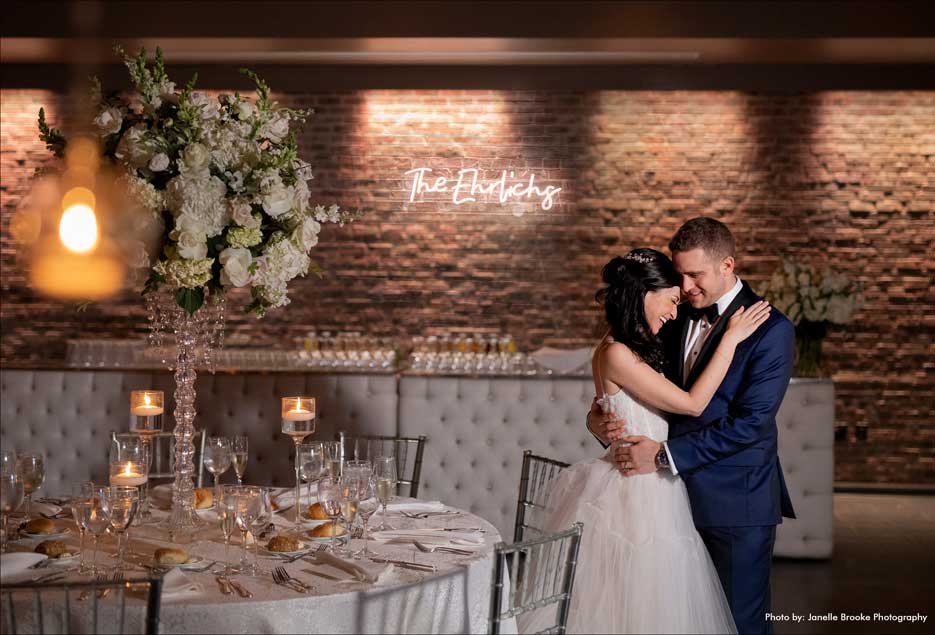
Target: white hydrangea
200 195
143 193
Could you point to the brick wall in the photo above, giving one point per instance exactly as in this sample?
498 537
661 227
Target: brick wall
843 178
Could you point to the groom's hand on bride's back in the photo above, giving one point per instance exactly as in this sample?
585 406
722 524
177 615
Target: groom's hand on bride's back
606 426
638 457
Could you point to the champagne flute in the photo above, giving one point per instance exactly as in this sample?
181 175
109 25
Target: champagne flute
367 495
334 458
11 497
91 516
298 421
120 504
384 471
329 495
217 459
239 449
263 517
349 499
227 503
31 469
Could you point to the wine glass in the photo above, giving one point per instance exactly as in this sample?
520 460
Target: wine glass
384 471
312 464
120 504
239 449
7 461
11 497
248 508
349 499
228 501
329 495
298 421
81 491
334 458
263 516
31 469
89 514
367 505
217 458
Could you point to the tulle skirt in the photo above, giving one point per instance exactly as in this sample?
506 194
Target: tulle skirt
642 566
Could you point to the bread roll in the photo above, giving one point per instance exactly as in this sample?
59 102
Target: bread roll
39 526
283 544
53 548
325 529
204 498
170 556
315 512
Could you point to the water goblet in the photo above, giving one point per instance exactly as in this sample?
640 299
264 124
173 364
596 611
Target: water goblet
11 497
348 500
80 491
263 517
7 461
312 464
89 514
239 453
31 469
120 504
367 505
248 508
217 459
298 421
384 472
329 495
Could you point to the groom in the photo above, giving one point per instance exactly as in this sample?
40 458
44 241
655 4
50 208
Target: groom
727 457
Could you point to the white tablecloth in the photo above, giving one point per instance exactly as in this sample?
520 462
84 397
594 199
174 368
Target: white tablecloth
454 599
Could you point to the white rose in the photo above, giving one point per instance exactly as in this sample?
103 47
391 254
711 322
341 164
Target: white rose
192 246
235 263
242 214
134 148
244 110
109 121
307 233
278 201
275 129
159 162
196 157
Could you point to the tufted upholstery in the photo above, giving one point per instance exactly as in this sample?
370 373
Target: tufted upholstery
69 415
478 428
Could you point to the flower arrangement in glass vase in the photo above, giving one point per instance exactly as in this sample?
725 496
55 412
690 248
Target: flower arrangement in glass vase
813 301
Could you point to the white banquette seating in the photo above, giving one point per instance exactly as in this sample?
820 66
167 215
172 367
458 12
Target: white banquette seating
477 429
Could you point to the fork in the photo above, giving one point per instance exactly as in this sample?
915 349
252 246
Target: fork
293 583
433 548
100 578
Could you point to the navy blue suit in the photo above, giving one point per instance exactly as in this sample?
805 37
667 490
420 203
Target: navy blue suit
728 457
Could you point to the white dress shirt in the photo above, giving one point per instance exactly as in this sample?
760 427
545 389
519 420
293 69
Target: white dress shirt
701 328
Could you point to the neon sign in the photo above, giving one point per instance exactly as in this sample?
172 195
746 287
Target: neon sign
466 187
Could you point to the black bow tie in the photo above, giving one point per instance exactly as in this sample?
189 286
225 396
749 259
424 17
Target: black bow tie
709 312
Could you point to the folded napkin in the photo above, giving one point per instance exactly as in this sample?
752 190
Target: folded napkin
349 570
286 499
45 509
413 506
161 495
460 539
176 584
15 566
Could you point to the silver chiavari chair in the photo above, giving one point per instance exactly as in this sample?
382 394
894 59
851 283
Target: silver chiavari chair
538 472
131 606
407 450
163 465
541 573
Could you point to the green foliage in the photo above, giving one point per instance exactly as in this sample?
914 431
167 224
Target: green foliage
52 137
190 299
262 89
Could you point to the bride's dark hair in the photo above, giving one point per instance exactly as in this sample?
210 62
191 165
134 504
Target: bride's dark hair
629 279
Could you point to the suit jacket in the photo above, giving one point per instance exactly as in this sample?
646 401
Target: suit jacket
728 456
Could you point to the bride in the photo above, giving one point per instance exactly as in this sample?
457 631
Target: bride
642 567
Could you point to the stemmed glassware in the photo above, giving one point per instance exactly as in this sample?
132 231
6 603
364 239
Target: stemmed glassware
366 506
217 459
334 458
120 504
81 492
384 472
329 495
128 463
312 464
31 470
11 497
227 501
248 508
239 450
263 516
146 408
89 514
7 461
298 421
349 499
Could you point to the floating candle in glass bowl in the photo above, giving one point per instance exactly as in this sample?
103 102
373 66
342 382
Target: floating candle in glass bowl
298 421
128 473
298 408
146 403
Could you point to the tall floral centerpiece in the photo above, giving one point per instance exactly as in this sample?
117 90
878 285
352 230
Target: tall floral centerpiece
814 302
222 181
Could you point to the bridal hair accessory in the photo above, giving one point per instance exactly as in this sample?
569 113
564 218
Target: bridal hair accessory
640 258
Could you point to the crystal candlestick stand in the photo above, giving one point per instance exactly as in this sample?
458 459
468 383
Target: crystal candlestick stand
196 336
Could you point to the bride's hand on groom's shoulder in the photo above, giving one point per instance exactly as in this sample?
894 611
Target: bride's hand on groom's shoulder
639 457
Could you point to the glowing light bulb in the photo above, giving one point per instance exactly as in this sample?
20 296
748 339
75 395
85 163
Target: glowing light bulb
78 228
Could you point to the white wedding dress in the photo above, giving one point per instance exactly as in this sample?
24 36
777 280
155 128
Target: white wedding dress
642 567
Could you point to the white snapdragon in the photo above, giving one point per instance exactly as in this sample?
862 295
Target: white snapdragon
235 266
327 215
109 121
245 110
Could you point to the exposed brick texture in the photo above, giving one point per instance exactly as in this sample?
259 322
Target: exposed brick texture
840 177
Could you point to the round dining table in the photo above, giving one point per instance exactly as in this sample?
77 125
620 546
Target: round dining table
408 596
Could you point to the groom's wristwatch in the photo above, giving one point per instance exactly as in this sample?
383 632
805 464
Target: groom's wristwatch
662 459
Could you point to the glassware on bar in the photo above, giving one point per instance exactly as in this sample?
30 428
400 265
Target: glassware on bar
298 421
